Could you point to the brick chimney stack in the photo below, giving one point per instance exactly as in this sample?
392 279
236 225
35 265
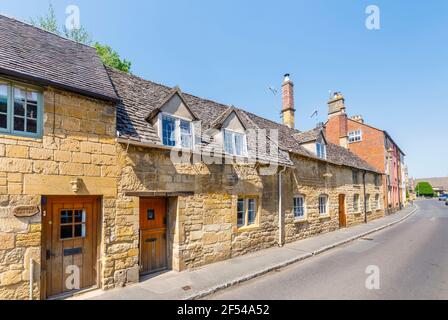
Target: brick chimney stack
288 111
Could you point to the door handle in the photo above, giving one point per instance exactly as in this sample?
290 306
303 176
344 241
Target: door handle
151 240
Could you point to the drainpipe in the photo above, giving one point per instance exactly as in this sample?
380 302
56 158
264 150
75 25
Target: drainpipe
365 195
31 278
280 208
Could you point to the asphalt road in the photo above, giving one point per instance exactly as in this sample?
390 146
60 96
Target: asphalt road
412 260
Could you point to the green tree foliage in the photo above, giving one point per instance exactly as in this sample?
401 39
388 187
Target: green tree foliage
47 22
107 54
424 189
112 58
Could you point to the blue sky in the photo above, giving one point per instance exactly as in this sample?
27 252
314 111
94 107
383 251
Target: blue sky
231 51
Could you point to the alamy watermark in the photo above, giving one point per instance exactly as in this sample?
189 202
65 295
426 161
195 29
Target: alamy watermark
73 281
373 20
73 19
373 279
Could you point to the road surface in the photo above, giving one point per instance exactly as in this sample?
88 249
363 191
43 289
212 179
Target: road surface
406 261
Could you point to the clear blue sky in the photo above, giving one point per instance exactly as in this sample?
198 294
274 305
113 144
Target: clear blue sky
231 51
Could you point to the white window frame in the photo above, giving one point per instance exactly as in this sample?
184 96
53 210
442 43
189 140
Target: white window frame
246 200
321 150
378 202
355 136
325 205
233 135
303 216
356 203
177 131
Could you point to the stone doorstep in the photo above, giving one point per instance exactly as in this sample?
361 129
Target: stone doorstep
238 279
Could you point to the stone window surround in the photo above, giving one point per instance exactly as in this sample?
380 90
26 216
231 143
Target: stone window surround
357 203
258 205
305 211
327 213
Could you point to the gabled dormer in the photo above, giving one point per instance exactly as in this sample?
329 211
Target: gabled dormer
173 121
232 133
314 141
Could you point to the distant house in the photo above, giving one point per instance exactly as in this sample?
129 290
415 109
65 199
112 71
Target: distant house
373 145
440 185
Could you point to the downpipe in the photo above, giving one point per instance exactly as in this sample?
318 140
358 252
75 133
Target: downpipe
280 208
31 278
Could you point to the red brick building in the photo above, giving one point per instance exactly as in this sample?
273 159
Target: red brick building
373 145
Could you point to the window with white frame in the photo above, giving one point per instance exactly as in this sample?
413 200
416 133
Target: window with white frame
355 136
299 207
355 177
323 205
247 209
378 202
235 143
176 132
20 110
368 204
321 150
377 180
356 204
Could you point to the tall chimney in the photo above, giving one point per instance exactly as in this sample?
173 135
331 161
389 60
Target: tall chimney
288 102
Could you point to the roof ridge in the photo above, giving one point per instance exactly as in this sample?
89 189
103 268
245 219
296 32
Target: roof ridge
45 31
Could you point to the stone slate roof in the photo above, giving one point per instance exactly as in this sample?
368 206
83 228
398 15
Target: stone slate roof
140 97
33 54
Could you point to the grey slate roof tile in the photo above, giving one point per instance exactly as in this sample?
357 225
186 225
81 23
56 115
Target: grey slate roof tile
33 54
140 97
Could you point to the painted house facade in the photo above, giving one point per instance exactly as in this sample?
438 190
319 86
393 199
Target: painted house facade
373 145
105 176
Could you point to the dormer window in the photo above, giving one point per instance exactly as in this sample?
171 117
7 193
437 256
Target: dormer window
176 132
235 143
321 150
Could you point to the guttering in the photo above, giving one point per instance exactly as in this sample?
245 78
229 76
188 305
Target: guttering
365 195
128 142
280 208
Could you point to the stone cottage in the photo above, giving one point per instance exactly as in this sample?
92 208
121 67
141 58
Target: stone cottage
105 176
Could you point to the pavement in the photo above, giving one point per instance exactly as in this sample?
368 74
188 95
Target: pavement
409 262
207 280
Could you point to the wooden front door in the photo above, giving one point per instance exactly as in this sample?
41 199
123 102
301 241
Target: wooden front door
153 228
71 239
342 213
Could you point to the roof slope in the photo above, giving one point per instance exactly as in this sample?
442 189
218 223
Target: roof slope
140 97
30 53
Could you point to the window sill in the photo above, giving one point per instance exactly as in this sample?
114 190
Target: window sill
15 136
301 220
323 217
357 213
248 228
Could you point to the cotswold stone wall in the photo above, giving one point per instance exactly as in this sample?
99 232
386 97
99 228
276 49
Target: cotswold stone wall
311 179
203 226
78 142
